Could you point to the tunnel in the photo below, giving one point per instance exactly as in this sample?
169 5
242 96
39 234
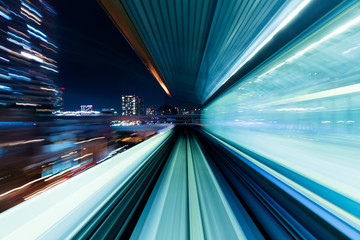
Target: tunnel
275 153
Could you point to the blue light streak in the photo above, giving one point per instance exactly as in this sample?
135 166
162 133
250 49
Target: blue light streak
16 36
16 42
12 75
4 76
298 113
6 88
31 9
37 36
4 59
36 30
4 15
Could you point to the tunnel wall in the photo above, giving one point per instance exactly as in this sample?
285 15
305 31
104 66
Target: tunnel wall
298 114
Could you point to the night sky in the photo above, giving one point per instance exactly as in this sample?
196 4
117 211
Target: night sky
96 63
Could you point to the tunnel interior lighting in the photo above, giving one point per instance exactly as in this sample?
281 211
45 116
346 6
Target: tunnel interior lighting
299 111
262 40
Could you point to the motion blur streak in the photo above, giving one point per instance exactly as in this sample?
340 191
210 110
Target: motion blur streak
27 184
169 204
288 14
168 198
77 199
273 156
184 183
89 140
297 116
26 48
197 46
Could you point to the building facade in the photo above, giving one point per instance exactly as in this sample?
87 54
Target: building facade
132 105
86 108
150 111
28 66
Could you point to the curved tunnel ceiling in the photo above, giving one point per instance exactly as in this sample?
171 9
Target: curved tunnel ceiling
193 47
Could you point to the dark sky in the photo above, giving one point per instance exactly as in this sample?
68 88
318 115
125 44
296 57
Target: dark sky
96 63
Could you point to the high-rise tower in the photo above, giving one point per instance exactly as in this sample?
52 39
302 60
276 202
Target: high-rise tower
132 105
28 66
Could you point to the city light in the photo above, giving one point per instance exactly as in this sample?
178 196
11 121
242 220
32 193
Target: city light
132 105
257 136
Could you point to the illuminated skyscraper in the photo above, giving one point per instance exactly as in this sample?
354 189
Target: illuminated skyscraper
28 68
132 105
150 111
86 108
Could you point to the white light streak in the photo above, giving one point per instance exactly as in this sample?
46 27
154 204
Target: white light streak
43 190
90 140
97 186
16 42
31 56
5 76
86 155
37 36
50 69
323 94
16 36
36 30
4 15
18 32
31 9
12 75
21 142
298 109
285 22
23 186
327 37
6 88
31 15
48 89
28 104
4 59
274 68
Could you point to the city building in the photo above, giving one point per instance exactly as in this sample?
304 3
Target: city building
132 105
28 66
166 110
184 111
150 111
108 111
86 108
